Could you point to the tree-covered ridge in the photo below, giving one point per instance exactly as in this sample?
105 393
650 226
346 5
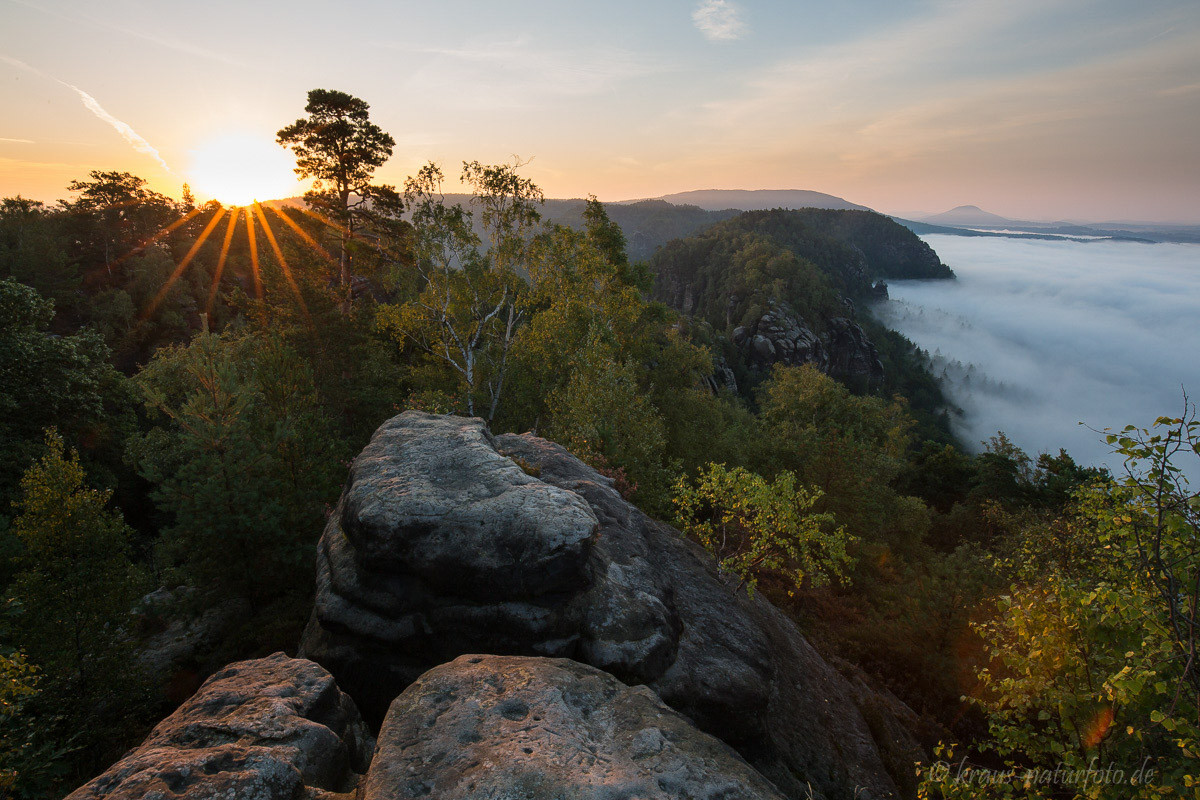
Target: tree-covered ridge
723 271
770 287
891 250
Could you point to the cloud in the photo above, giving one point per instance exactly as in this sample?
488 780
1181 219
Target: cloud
719 20
127 133
515 73
178 45
19 164
1175 91
1036 337
91 104
17 141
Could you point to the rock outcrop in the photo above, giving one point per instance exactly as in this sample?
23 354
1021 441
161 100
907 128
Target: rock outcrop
546 729
780 336
271 728
448 541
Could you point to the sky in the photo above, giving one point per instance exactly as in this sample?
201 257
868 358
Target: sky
1082 110
1038 336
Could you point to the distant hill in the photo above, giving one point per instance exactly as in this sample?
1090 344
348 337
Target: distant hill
647 224
967 215
759 199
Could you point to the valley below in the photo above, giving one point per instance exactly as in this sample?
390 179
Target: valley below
1052 341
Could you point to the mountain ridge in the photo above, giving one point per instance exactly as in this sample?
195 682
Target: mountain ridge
754 199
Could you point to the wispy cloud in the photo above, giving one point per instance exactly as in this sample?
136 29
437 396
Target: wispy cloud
1175 91
517 73
127 132
719 20
23 165
171 43
16 141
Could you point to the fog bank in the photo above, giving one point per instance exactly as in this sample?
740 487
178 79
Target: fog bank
1037 336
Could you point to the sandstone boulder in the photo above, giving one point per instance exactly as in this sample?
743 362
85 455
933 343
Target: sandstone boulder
546 729
274 728
448 541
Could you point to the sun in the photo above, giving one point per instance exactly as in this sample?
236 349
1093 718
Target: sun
239 168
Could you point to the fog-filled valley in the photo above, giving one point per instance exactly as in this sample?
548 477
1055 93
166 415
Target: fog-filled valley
1035 337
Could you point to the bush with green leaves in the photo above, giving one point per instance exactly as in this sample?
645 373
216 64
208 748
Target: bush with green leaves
73 594
1092 653
50 380
755 527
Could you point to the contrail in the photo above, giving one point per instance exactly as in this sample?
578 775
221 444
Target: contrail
127 133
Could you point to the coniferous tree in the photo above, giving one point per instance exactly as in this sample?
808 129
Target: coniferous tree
75 590
243 462
339 148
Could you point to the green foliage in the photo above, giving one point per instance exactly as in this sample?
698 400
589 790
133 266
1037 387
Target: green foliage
18 682
754 527
852 448
600 412
730 275
605 235
74 589
469 308
32 763
889 249
33 250
810 261
1084 676
1091 655
114 215
337 145
51 380
242 461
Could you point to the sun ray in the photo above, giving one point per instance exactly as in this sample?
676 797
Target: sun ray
320 218
229 229
163 231
287 272
335 225
187 259
303 234
258 289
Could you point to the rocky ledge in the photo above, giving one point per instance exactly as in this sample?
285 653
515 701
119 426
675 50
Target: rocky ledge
274 728
450 541
621 663
547 729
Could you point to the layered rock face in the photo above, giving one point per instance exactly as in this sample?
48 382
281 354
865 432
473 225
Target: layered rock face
444 543
547 729
780 336
273 728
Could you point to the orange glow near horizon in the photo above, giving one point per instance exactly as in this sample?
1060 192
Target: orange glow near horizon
240 169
